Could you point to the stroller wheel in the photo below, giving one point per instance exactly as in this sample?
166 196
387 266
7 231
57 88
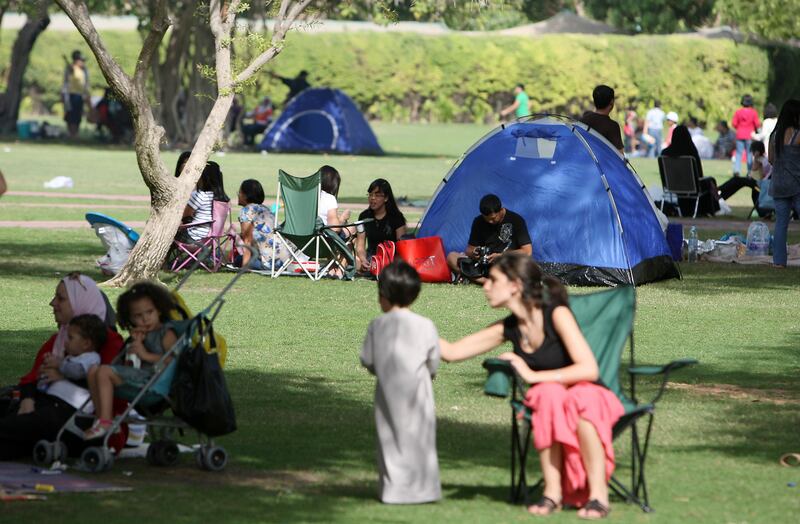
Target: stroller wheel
215 458
163 453
152 450
43 453
60 451
96 459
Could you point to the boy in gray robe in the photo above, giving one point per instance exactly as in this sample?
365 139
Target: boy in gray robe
402 350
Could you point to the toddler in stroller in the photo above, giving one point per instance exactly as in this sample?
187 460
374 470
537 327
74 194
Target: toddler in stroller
181 360
145 311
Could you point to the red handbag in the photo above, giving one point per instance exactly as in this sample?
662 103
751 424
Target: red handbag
384 255
426 255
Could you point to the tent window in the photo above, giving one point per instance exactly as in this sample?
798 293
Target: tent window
528 147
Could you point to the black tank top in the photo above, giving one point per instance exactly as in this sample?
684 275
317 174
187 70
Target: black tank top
551 354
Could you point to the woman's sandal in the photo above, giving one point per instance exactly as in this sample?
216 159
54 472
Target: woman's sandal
548 504
596 506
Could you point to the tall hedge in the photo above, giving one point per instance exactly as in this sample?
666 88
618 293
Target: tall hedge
459 78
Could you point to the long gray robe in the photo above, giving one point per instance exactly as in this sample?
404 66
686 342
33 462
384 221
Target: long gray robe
402 350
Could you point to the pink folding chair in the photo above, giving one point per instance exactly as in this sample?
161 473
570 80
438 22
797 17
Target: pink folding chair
207 251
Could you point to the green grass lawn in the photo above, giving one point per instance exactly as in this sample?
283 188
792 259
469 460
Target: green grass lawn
304 451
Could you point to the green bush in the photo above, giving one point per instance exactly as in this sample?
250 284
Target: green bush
468 78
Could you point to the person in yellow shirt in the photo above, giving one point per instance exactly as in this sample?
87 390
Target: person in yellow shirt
75 92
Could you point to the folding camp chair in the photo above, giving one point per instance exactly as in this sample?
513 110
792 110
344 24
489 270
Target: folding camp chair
679 176
299 198
207 252
606 320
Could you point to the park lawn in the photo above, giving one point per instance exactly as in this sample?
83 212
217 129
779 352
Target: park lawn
417 158
304 450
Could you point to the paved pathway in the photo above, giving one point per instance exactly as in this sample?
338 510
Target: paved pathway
730 223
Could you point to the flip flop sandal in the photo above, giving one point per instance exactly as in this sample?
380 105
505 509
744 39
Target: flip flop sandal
790 459
545 502
595 505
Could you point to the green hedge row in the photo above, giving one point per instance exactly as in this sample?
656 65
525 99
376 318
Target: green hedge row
410 77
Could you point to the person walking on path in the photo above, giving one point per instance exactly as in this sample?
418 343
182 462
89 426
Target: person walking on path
653 127
785 186
75 92
745 122
521 105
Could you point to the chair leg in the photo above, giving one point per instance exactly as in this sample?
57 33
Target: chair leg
641 483
696 206
520 444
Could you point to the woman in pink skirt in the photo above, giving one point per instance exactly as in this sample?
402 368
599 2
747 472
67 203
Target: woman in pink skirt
573 413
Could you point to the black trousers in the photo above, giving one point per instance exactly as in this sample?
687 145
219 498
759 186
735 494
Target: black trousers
19 433
729 188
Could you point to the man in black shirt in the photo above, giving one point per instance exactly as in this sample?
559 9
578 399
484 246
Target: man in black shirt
295 85
603 98
495 231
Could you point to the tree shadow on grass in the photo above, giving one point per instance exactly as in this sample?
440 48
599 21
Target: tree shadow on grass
708 280
20 256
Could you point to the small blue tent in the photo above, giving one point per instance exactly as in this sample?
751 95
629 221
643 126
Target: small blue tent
321 120
590 219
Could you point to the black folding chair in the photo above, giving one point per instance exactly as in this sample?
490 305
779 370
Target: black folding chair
679 177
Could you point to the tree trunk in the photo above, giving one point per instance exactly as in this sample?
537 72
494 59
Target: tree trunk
169 74
201 91
168 195
20 56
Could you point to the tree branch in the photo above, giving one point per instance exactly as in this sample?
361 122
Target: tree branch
283 23
158 27
230 15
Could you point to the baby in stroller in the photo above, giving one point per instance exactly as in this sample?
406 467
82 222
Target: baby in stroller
144 311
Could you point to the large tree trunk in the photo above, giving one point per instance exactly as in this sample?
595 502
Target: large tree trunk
169 195
20 56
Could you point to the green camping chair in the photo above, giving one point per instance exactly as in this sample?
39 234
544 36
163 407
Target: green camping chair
606 320
299 198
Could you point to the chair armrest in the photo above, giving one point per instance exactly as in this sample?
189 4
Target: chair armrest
195 224
664 371
658 370
499 379
348 224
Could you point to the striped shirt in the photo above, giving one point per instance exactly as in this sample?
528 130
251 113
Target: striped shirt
202 202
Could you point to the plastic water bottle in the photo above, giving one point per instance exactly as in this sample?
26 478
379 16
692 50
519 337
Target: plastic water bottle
692 252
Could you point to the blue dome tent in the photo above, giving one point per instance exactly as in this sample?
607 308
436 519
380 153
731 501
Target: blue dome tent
321 120
590 218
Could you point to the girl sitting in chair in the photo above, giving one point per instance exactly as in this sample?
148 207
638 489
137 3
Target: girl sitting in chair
572 412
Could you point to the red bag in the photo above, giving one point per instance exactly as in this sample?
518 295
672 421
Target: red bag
384 255
426 255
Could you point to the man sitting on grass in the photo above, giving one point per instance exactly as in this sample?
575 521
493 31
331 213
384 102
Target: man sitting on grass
496 230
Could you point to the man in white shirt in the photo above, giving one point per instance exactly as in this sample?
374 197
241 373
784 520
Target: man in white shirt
653 127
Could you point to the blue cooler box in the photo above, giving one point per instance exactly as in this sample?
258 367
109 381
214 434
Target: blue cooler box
675 241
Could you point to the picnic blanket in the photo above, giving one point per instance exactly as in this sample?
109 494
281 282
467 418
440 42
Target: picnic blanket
23 478
721 253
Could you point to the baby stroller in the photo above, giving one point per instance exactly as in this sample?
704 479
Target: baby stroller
172 386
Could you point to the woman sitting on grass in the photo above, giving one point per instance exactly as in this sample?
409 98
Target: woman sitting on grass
387 223
257 222
573 413
40 414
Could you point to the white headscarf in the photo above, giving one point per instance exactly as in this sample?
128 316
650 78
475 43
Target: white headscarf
85 298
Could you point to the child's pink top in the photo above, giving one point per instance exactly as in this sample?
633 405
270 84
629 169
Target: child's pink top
745 121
